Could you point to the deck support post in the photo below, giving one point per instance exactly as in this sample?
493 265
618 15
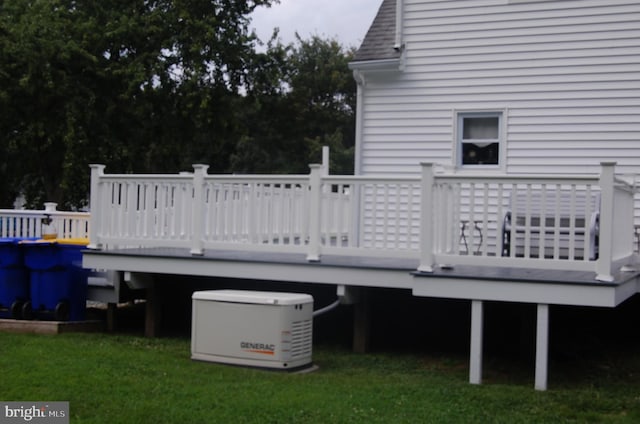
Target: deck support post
475 355
542 347
153 311
153 306
112 309
362 323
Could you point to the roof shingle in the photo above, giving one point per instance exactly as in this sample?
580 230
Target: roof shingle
380 39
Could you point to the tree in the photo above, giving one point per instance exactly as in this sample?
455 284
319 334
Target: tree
119 82
42 86
155 86
301 97
324 94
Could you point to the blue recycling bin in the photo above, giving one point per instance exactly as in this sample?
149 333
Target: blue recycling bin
14 278
58 283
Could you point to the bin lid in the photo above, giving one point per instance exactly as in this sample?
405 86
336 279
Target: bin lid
39 242
15 240
254 297
69 241
73 241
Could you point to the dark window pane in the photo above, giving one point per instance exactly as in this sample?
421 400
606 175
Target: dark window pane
473 154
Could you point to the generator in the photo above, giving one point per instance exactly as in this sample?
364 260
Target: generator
252 328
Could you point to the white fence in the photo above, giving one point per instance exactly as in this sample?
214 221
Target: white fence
36 223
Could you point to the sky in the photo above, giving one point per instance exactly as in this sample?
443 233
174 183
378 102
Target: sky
345 20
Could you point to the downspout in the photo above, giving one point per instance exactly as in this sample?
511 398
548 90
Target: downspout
357 169
360 82
399 15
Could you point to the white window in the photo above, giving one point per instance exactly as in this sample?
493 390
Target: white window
479 139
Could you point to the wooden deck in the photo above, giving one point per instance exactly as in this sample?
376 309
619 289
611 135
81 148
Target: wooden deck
360 232
528 285
474 283
424 217
268 266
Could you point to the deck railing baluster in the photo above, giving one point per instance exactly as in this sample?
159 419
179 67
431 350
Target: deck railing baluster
586 227
527 222
556 223
484 228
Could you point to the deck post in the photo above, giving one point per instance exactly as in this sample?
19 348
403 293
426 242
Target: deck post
542 347
325 161
153 310
605 252
197 245
97 171
362 322
426 219
475 355
313 250
112 309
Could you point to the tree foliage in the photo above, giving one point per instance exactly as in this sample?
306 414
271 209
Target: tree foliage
154 86
302 98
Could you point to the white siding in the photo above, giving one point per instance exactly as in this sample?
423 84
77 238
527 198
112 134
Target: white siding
566 73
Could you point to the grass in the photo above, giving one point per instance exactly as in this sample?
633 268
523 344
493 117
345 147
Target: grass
126 378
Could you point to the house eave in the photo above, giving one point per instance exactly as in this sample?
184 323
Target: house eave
379 65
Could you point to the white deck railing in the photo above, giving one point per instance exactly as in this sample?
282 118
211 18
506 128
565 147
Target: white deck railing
534 221
557 228
36 223
287 213
436 218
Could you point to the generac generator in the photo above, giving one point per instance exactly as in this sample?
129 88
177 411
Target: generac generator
252 328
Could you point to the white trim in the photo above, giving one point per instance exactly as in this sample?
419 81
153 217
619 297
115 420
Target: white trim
556 293
377 65
360 85
308 272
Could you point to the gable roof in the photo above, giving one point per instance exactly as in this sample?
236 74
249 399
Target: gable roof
380 39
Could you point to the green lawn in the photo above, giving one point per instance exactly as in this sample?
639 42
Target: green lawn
129 379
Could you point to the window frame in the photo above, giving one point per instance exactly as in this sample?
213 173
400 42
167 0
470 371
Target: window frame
459 116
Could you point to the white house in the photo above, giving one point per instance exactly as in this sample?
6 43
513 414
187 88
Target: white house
500 86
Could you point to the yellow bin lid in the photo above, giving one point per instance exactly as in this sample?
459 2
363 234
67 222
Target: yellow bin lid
74 241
